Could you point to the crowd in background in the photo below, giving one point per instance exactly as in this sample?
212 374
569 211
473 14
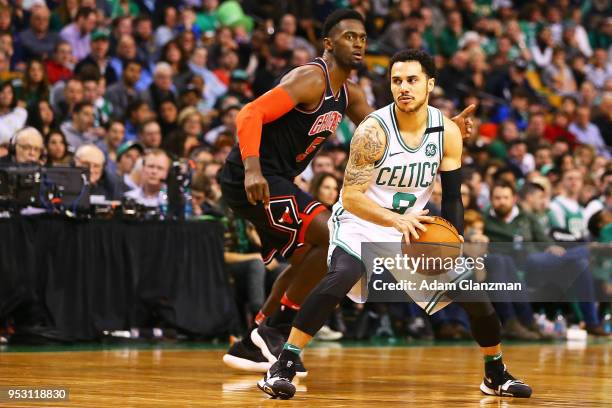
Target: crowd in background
124 87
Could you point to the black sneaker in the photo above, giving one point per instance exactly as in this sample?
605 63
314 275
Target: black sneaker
508 386
246 356
277 381
270 341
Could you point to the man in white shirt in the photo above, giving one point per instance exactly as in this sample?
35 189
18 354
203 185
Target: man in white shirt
154 172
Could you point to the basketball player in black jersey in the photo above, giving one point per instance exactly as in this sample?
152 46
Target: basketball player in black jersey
279 133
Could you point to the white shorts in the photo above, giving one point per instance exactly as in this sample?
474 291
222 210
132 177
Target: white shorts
349 232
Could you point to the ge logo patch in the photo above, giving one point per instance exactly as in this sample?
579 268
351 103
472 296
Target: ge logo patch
430 150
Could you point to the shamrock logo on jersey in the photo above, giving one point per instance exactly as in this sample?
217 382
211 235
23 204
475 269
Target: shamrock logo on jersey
430 150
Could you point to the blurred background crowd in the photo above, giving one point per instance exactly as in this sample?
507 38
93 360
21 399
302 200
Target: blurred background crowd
124 87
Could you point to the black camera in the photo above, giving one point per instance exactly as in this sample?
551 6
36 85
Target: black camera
56 189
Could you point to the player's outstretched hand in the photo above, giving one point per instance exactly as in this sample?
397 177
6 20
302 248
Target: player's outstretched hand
465 122
255 184
409 223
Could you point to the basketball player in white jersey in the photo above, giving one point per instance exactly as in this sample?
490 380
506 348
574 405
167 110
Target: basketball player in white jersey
395 155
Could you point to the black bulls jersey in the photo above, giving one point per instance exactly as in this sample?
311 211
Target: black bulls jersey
289 143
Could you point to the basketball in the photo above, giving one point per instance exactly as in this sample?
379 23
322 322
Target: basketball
438 246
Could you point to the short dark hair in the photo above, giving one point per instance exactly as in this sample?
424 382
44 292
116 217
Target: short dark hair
426 61
80 105
503 184
134 106
530 188
130 62
84 12
337 16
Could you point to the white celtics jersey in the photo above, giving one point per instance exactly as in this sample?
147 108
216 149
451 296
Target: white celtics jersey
402 181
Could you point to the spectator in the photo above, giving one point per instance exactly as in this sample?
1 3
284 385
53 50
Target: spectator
518 156
558 130
137 113
98 57
506 221
41 117
201 195
13 115
57 149
542 50
37 41
161 88
94 88
59 68
114 135
587 132
168 117
244 263
566 211
266 74
72 95
558 76
102 185
156 164
536 125
214 87
28 147
173 54
79 130
35 83
169 29
600 69
239 86
323 163
228 124
78 33
145 42
448 42
324 188
64 14
149 134
543 158
123 93
126 51
128 154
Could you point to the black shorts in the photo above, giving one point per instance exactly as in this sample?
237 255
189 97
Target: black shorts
282 227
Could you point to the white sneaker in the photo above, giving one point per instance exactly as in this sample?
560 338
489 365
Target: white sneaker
327 334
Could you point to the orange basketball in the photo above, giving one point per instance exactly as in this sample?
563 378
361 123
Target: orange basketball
438 246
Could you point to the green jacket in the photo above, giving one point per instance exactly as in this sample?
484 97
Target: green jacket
525 226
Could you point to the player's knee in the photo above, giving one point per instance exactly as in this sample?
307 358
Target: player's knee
318 232
344 272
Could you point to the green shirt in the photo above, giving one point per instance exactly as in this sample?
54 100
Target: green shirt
207 21
524 225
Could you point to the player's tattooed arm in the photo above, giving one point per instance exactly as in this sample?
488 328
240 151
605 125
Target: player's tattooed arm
367 147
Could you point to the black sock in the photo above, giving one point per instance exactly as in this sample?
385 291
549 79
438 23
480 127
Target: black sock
494 367
288 355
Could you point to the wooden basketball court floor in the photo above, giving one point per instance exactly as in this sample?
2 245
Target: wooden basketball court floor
561 374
